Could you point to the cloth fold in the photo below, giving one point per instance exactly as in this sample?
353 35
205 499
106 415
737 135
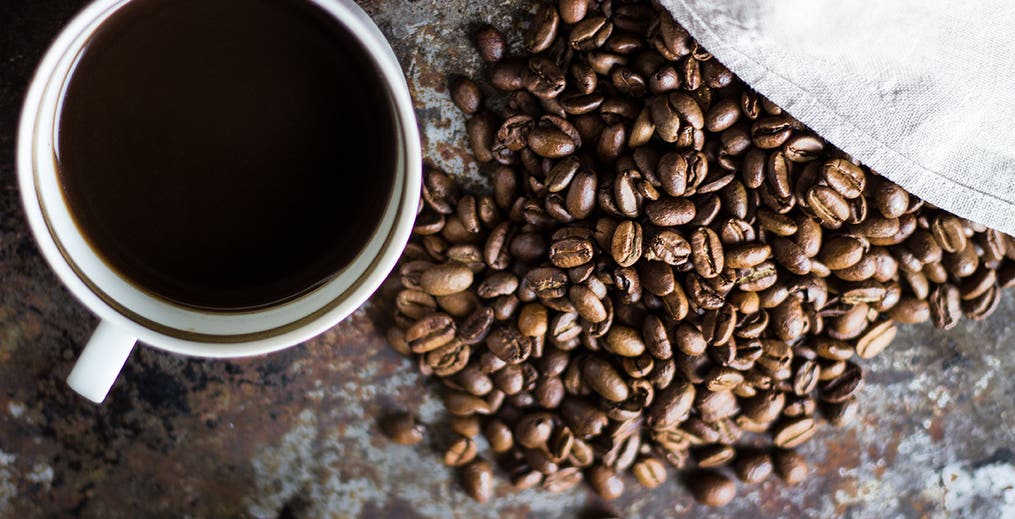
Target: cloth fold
921 91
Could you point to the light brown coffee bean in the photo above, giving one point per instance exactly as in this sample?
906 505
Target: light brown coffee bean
845 177
707 253
604 379
790 466
877 338
499 436
466 95
712 488
509 345
477 477
430 332
490 43
828 206
752 466
605 482
461 452
624 341
583 418
747 255
402 428
844 386
572 11
587 304
790 255
626 244
803 148
794 432
533 430
563 480
668 247
669 212
650 472
841 252
722 115
671 406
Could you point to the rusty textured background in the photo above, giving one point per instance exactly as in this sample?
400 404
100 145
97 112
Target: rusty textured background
294 434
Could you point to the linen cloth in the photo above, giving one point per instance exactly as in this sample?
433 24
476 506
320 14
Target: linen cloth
921 91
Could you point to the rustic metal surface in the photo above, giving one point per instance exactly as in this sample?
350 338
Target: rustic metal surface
295 435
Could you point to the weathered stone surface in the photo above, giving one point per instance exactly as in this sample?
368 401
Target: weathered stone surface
295 434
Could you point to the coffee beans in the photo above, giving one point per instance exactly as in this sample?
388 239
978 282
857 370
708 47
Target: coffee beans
667 261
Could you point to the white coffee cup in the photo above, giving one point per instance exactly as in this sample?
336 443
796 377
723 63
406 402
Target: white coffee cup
129 314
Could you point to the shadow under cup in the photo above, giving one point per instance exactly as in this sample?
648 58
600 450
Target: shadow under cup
227 155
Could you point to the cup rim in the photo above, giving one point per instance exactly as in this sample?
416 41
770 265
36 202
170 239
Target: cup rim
302 327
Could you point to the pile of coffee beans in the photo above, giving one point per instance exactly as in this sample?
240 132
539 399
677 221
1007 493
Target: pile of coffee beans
670 271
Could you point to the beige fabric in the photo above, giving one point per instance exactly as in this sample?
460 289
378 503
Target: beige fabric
921 91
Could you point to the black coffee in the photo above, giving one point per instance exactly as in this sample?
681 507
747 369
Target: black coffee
226 154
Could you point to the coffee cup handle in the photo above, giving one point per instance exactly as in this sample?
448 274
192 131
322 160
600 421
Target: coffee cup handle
101 361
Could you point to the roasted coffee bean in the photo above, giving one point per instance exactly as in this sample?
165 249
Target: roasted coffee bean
466 95
844 177
467 426
789 465
461 452
590 33
752 466
671 406
533 430
657 277
604 379
509 345
543 30
944 306
877 338
498 435
650 472
712 488
497 284
477 477
771 132
547 282
670 212
707 252
828 206
624 341
563 480
747 255
803 148
402 428
490 43
572 11
794 432
533 320
671 248
841 252
843 386
480 130
430 332
605 482
722 115
626 245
